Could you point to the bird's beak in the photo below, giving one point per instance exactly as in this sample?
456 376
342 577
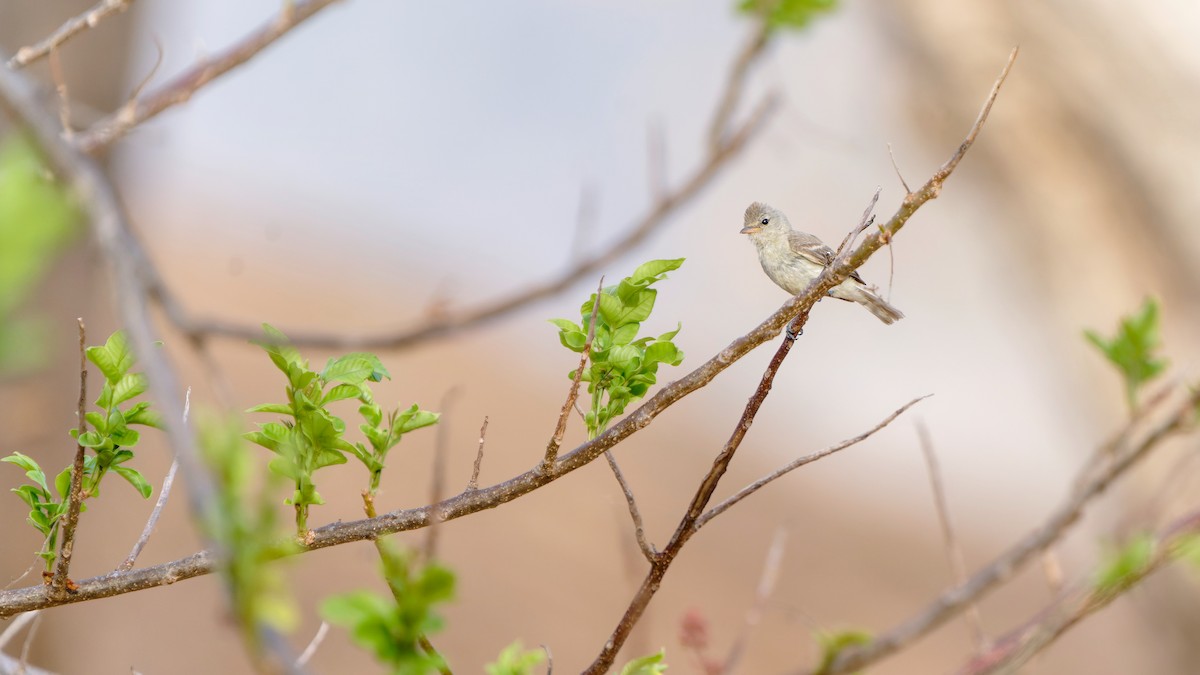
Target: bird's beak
751 229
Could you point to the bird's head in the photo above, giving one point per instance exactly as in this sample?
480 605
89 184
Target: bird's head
760 216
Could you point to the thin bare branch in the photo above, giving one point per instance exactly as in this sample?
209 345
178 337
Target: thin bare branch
954 553
766 586
64 96
863 224
313 645
907 190
437 479
60 585
1012 651
639 529
74 25
473 484
561 428
15 627
163 494
183 86
801 461
1094 480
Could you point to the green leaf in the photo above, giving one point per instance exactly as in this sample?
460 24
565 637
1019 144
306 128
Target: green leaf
412 419
833 643
275 408
646 665
141 414
135 479
341 392
282 353
62 483
355 369
515 660
32 470
655 270
625 334
574 341
664 352
617 313
566 327
1126 565
114 358
791 14
130 386
1133 349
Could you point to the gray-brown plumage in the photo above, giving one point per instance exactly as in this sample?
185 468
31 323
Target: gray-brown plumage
793 259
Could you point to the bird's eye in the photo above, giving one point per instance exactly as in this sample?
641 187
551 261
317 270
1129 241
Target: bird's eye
766 221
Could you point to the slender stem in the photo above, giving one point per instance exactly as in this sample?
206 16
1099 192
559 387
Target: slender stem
59 584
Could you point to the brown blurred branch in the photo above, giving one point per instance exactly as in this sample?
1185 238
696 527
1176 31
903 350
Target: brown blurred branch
1111 461
639 529
440 325
179 90
74 25
1010 652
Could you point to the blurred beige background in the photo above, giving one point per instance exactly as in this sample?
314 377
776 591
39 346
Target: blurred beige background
387 157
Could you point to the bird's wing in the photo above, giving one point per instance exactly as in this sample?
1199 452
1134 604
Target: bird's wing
807 246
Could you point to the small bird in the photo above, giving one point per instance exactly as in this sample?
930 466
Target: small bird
793 259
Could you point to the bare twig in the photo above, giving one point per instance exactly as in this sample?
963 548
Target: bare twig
573 392
313 645
801 461
183 86
863 223
639 529
15 627
1094 480
64 96
27 645
88 19
954 553
163 494
907 190
473 484
437 481
59 585
766 586
1012 651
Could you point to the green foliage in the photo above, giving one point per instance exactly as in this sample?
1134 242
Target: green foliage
833 643
623 367
1132 349
311 436
37 219
392 628
1124 566
246 527
791 14
516 660
110 441
1188 549
646 665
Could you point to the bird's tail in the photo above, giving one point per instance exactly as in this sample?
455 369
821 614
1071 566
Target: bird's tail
877 306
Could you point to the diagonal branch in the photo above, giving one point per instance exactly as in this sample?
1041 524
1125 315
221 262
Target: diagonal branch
179 90
1121 454
801 461
1010 652
59 585
74 25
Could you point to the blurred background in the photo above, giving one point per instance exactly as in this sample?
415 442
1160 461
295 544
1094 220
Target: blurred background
387 161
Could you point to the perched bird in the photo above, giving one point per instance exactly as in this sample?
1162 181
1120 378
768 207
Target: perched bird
793 259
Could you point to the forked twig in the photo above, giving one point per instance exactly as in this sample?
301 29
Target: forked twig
74 25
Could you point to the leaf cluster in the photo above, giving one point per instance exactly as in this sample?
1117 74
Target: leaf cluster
392 628
516 660
622 366
1133 350
245 525
110 441
310 436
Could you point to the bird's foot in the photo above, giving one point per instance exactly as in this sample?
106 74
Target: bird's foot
793 334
